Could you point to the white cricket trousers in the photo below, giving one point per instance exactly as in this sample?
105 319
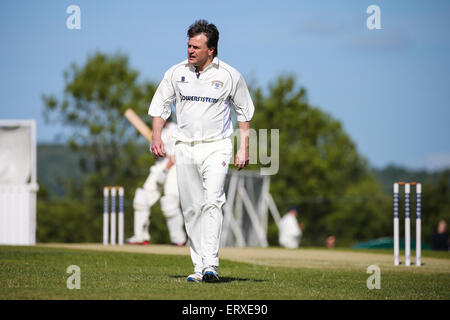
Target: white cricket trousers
201 171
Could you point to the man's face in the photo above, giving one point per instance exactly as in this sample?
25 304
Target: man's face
198 51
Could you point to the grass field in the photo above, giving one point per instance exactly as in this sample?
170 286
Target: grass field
159 272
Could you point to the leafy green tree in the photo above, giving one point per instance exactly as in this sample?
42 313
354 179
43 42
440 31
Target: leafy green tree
319 163
65 220
391 173
320 169
111 151
363 212
435 205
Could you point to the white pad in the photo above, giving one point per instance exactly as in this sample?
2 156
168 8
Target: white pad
175 225
170 206
141 225
140 201
174 217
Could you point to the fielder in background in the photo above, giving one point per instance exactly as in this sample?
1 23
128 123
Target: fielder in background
290 232
440 237
203 90
161 184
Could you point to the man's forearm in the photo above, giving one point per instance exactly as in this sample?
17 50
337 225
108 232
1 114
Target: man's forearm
157 146
244 133
157 125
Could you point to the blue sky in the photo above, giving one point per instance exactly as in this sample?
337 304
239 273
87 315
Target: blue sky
389 88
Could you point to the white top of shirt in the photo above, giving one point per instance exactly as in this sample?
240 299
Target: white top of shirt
203 102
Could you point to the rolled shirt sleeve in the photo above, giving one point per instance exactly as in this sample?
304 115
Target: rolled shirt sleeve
242 101
164 96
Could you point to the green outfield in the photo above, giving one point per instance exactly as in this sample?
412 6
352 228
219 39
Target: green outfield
159 272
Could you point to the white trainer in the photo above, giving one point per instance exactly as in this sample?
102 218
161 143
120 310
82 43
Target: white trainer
210 274
195 277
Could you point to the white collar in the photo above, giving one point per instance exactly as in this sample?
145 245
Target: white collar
215 61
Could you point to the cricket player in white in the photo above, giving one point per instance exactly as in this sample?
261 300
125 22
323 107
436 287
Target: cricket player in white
290 230
161 184
203 90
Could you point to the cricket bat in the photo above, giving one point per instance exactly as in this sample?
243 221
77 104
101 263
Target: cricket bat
139 124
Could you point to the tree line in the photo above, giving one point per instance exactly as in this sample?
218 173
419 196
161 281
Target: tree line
321 171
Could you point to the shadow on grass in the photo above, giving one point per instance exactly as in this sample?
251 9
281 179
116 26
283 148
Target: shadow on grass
225 279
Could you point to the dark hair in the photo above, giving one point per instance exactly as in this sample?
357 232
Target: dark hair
208 29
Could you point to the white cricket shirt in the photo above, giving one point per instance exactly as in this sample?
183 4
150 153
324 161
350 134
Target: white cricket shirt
203 101
290 232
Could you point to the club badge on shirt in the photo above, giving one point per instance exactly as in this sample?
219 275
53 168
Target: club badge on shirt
217 84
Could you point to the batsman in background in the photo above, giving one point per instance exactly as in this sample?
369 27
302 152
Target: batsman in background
161 184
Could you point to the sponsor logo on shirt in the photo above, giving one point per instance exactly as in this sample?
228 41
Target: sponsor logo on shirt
197 98
183 80
217 84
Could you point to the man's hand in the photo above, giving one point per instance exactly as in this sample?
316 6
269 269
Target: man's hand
241 159
242 155
157 146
